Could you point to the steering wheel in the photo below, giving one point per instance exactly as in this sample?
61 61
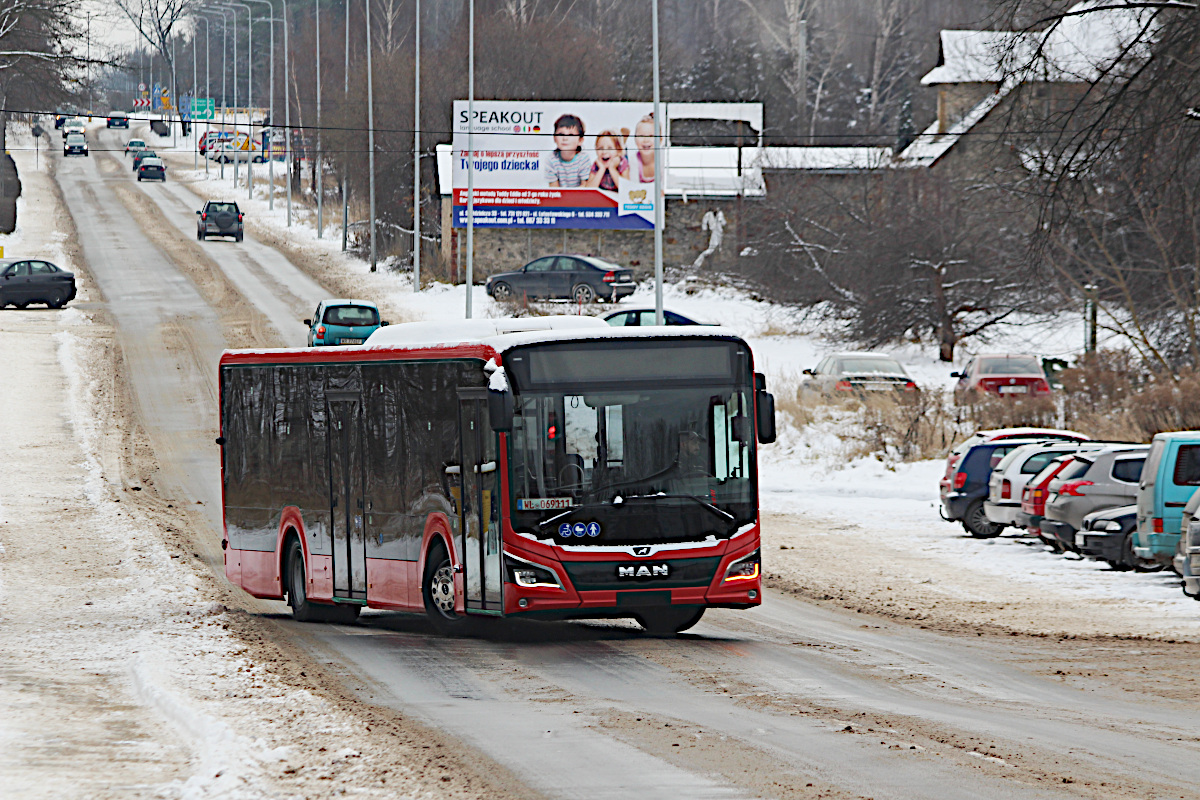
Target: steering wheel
562 473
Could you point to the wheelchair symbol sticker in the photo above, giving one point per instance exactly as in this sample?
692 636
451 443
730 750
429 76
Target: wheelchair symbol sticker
593 529
564 530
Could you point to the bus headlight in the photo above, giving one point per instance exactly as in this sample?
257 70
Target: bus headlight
530 575
744 569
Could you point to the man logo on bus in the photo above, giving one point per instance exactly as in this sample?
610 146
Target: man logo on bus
644 571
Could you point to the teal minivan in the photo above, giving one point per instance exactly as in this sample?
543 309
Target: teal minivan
1171 475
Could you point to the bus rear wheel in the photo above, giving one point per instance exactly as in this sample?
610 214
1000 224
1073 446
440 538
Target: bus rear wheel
304 610
438 591
668 621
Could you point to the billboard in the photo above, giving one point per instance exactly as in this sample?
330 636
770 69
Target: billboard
557 164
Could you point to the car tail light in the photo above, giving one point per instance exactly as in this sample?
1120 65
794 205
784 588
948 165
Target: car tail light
1038 495
239 217
1041 387
204 216
1158 526
1025 495
843 386
960 480
610 276
1005 490
320 331
909 386
1071 488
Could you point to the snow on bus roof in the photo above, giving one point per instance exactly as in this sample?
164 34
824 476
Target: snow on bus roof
502 334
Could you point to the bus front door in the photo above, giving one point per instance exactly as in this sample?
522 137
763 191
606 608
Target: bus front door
346 498
479 508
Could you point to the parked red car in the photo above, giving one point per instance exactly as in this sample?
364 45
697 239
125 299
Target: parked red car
1036 492
1003 375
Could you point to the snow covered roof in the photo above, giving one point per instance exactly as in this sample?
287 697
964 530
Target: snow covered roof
1078 48
929 145
503 334
829 159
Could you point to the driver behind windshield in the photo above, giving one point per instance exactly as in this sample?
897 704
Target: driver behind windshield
690 472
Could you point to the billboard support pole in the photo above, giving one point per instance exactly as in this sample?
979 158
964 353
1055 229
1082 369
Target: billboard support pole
470 153
659 199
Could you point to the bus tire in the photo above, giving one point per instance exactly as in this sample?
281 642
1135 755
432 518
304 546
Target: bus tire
438 590
668 621
302 609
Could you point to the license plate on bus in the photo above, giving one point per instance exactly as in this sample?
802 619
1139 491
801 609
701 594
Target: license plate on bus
1014 389
350 341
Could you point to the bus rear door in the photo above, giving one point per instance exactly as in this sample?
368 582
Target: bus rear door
346 497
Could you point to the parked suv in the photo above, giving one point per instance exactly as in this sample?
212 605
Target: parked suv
1095 480
219 218
1168 482
1013 472
564 277
1107 535
1002 375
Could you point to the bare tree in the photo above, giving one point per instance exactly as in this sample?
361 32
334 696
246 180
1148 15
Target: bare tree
157 23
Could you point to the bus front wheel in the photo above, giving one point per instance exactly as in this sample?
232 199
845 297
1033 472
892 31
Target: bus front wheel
439 593
669 621
302 609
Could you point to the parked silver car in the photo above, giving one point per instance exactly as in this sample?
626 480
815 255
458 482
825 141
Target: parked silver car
846 373
1095 480
1008 479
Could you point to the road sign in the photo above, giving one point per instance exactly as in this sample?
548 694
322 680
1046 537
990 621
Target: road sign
141 102
204 108
141 87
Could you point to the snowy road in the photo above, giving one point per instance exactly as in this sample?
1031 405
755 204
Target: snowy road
796 699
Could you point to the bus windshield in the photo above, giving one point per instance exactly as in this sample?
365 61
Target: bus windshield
642 463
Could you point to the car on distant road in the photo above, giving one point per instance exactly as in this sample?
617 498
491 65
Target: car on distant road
25 281
134 146
73 125
219 218
858 373
142 154
343 322
152 168
75 145
1095 480
60 119
579 278
638 317
118 119
1013 376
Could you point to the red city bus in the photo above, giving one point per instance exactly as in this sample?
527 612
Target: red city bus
545 468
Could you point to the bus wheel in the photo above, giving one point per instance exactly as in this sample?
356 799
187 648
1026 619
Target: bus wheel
438 590
669 621
302 610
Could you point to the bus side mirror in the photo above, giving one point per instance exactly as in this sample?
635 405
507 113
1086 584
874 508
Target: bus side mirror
501 410
765 410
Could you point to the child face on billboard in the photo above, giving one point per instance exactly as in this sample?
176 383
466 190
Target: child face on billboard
568 140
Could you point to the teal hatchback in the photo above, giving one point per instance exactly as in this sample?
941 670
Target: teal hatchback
340 322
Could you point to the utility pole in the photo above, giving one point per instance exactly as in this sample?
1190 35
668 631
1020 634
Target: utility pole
371 138
319 170
659 168
417 156
174 91
268 147
287 115
195 82
345 94
89 60
470 153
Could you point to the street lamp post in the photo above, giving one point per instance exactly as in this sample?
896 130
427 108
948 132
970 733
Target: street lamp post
320 192
417 154
659 164
470 152
287 118
271 111
345 94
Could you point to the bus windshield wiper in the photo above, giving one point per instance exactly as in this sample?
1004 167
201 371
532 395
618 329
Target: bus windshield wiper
719 511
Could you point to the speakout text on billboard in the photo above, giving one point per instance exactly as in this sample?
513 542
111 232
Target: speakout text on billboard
558 164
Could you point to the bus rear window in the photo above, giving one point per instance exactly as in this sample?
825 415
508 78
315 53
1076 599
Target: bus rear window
351 316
